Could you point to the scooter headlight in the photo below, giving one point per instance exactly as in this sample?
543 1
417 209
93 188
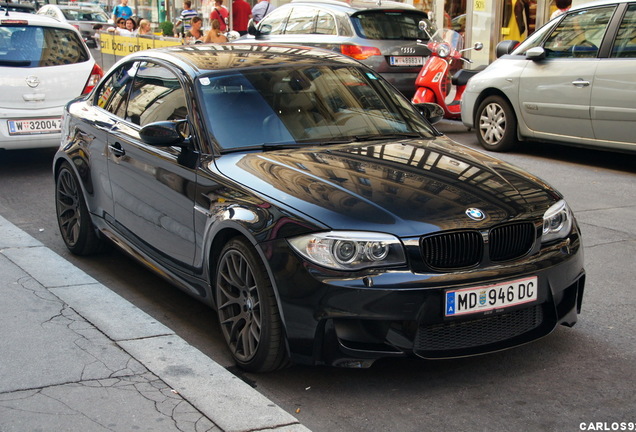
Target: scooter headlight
443 50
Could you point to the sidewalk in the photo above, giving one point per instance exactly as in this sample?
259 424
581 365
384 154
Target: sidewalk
74 356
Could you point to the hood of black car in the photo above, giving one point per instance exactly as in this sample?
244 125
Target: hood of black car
407 187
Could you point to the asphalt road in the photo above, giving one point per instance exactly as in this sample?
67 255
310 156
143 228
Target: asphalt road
572 378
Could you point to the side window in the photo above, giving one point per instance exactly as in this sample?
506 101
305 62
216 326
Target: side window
325 24
276 19
301 21
579 34
113 94
156 95
625 44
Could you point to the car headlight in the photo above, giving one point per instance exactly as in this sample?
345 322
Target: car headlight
349 250
557 222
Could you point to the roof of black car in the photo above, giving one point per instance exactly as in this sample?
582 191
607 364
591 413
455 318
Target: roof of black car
208 57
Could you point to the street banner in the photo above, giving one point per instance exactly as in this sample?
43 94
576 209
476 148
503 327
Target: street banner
124 45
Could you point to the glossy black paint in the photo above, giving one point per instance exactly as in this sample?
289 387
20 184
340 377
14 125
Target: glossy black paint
174 208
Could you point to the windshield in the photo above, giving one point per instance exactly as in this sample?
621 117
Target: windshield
85 15
391 25
304 104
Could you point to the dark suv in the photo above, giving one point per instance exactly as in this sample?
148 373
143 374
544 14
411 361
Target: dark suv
382 37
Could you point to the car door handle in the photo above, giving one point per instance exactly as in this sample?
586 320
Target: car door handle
117 150
580 83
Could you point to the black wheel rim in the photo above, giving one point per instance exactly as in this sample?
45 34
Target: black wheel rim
239 305
68 207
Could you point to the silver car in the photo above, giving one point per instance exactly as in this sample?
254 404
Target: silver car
570 82
82 17
382 35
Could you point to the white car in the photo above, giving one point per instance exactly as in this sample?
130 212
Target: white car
43 64
571 82
81 16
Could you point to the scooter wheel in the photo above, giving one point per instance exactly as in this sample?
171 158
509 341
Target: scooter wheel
496 124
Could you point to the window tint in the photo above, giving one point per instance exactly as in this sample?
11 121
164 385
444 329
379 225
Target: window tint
113 94
625 44
31 46
579 34
396 25
325 24
301 21
276 19
156 95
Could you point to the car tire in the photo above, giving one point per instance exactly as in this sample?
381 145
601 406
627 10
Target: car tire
247 309
496 124
73 217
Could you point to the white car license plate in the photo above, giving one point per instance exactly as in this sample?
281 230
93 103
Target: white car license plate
406 61
35 126
485 298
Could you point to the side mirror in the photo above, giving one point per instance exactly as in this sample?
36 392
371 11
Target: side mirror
478 46
433 112
505 47
423 25
263 31
535 54
162 134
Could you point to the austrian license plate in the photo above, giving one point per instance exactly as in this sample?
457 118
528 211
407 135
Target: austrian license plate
489 297
406 61
35 126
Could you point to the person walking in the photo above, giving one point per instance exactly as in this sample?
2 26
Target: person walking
220 13
122 10
241 14
185 19
260 10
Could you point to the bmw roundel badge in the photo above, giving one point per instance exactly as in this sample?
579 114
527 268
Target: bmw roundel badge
475 214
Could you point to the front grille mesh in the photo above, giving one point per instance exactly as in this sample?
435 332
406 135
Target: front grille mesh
459 249
467 334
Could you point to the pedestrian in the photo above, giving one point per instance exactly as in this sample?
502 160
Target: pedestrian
215 35
562 7
122 10
241 14
260 10
220 13
185 19
195 33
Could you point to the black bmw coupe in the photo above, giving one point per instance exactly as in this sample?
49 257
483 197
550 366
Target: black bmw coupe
314 208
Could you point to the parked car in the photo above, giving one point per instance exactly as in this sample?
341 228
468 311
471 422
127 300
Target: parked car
44 64
571 82
82 17
16 7
382 36
314 208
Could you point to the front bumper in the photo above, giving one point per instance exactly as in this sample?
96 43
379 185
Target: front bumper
351 320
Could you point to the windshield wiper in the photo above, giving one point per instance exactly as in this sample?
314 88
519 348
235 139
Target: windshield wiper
393 135
284 145
16 63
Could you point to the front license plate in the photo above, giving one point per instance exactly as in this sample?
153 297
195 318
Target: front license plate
35 126
489 297
406 61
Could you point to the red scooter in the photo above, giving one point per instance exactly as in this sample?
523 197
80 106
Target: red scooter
442 79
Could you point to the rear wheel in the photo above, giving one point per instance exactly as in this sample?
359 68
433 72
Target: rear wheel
73 218
248 314
496 124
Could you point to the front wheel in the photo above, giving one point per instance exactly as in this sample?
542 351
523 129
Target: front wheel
496 124
248 314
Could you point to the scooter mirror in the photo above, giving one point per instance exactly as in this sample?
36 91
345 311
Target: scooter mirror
423 25
478 46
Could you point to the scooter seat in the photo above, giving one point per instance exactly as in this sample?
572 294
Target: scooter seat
462 76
